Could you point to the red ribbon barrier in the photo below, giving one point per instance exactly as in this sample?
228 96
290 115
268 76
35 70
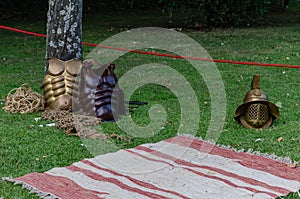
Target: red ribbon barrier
161 54
23 31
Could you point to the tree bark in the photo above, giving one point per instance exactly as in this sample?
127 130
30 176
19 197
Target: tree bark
63 52
64 30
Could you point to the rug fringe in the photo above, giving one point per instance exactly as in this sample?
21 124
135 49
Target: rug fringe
33 190
286 160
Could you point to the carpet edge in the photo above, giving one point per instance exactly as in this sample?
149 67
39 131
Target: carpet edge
33 190
286 160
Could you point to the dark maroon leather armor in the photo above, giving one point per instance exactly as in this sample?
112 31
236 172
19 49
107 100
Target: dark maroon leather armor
99 93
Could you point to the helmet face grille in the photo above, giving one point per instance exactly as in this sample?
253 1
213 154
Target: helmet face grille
257 115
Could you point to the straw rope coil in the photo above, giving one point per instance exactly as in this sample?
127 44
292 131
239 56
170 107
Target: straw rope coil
23 100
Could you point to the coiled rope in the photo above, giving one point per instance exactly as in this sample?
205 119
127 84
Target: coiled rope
23 100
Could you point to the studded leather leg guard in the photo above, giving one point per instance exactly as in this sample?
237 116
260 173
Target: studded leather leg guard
58 84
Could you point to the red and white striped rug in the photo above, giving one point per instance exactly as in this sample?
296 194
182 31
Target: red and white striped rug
179 167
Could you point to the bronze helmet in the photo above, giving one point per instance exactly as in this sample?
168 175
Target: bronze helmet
256 111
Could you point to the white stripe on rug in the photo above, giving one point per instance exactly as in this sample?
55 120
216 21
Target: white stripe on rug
214 163
179 167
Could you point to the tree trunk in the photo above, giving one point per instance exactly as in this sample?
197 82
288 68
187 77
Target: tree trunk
64 30
63 52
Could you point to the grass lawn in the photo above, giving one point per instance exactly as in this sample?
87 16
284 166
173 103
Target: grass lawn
26 149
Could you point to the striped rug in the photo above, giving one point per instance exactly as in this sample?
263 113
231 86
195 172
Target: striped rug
179 167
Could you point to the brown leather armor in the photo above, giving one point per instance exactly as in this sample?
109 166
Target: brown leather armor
98 91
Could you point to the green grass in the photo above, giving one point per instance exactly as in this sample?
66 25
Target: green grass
26 149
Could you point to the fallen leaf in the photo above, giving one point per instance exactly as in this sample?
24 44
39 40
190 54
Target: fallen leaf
278 104
179 29
293 165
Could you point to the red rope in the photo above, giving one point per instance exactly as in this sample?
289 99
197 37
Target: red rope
23 31
161 54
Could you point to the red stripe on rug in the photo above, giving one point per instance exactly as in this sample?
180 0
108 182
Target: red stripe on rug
220 171
253 161
99 177
184 163
231 183
56 185
179 172
136 181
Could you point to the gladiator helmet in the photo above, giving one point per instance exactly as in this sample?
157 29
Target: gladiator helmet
256 111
